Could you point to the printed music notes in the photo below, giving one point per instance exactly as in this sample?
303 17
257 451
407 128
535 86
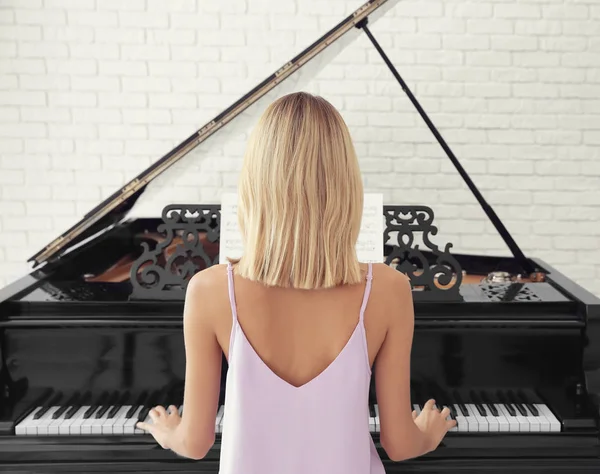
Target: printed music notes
231 244
369 245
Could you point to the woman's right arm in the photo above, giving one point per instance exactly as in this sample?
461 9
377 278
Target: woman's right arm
400 435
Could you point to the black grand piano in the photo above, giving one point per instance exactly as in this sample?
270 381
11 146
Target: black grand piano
91 339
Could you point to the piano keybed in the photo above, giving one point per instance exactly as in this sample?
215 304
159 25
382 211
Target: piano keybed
507 412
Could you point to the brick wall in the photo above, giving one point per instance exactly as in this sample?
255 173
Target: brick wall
93 91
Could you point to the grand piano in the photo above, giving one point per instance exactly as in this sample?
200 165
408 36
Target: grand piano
92 338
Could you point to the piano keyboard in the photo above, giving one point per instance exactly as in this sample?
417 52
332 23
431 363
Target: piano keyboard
121 420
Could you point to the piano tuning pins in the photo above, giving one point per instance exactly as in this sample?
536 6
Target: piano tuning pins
498 277
506 277
537 277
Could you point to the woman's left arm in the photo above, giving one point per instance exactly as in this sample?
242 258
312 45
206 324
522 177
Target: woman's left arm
193 434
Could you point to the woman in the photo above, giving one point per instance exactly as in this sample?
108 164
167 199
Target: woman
299 319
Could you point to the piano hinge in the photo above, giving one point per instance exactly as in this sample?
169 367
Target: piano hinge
360 10
283 69
130 186
55 243
205 128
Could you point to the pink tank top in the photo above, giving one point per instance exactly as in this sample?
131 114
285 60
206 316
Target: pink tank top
321 427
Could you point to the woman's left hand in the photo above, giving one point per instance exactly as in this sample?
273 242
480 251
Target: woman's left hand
163 424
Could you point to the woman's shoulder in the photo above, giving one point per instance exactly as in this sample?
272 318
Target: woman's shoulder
207 283
387 275
391 289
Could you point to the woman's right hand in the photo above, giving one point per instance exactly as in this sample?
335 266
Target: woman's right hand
433 423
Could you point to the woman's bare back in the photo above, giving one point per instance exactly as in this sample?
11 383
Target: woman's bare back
299 333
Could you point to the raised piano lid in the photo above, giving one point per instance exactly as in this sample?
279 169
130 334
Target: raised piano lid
213 136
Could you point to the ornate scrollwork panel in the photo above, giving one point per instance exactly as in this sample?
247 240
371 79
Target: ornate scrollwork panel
437 274
190 244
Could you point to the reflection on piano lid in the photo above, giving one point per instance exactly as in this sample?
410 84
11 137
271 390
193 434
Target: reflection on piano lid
515 353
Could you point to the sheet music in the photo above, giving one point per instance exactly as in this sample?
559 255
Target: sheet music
369 245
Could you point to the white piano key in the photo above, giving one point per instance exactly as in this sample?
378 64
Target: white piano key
54 426
219 419
543 421
472 421
147 420
78 419
129 425
513 424
97 424
462 426
86 425
371 420
65 427
120 420
523 422
482 424
108 427
180 410
535 423
377 430
555 425
417 408
503 423
492 420
27 422
45 421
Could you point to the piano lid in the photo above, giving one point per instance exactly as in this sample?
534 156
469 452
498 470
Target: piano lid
213 135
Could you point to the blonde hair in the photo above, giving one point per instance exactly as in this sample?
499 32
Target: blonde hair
300 198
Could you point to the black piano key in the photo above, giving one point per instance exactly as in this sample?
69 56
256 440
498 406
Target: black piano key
71 411
534 411
478 403
72 401
122 401
504 401
139 402
444 401
35 406
144 413
90 411
101 411
131 411
461 406
109 403
150 403
450 406
449 402
75 408
489 404
113 411
371 411
53 402
517 405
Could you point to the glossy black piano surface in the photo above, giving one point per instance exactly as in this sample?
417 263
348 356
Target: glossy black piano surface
86 349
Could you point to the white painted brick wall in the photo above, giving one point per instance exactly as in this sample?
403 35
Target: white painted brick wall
93 91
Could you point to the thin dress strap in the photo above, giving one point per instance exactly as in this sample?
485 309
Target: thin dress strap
367 292
361 322
233 307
